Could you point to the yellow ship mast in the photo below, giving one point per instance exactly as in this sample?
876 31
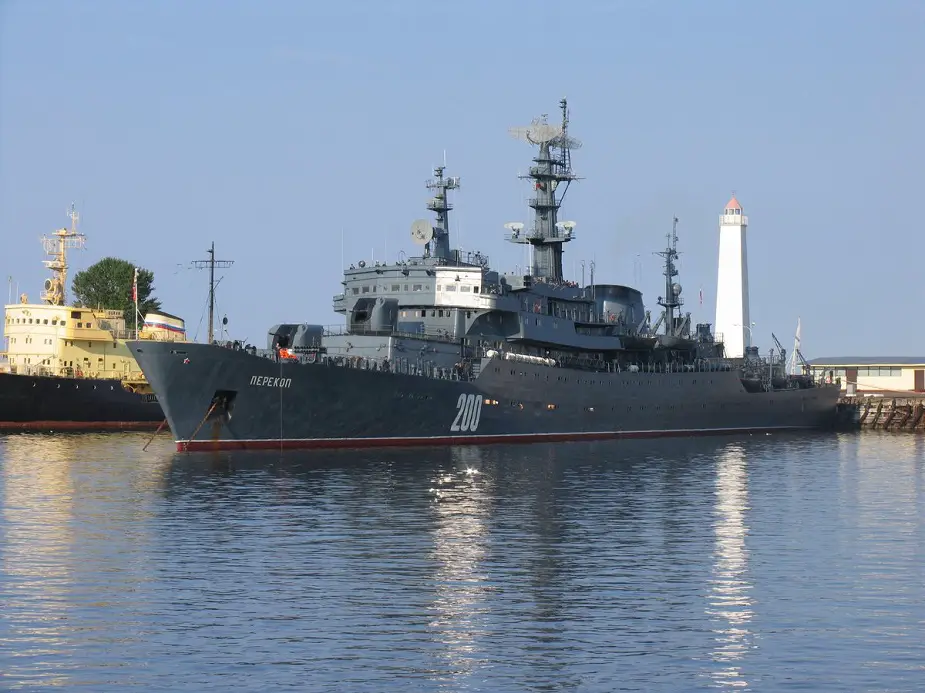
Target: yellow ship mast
56 287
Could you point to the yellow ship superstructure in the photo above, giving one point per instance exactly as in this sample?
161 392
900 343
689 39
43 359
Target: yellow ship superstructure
54 339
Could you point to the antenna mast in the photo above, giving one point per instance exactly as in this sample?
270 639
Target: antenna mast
55 290
672 298
553 165
440 205
211 263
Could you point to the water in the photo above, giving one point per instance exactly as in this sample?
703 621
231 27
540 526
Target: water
760 563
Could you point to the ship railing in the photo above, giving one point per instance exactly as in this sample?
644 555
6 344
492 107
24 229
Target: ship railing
438 335
406 366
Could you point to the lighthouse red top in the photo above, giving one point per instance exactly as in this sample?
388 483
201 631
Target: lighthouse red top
733 204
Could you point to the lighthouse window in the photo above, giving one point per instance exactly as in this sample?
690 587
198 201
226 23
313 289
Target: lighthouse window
75 314
45 321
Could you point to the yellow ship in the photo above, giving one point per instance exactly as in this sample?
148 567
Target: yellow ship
67 366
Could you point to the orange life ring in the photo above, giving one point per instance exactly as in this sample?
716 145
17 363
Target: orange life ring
613 318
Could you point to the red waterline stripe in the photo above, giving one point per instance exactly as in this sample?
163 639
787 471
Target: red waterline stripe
79 425
328 443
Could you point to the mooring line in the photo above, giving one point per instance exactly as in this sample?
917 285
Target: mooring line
208 414
151 439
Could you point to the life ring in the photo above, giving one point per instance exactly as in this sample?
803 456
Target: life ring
613 318
537 307
312 357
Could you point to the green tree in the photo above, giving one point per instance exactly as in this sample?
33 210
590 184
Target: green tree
108 285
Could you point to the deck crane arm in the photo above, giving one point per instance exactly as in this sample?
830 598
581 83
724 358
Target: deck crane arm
780 349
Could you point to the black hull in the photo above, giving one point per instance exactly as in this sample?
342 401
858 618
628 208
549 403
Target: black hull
47 403
300 405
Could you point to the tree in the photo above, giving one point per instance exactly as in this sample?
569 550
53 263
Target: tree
108 285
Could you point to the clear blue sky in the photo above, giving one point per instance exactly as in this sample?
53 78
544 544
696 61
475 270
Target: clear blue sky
270 127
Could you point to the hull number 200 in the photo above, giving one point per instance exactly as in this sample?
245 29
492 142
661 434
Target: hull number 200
468 413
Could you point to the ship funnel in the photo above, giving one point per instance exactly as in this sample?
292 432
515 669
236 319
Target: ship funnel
163 327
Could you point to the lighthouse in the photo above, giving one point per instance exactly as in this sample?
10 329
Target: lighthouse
732 321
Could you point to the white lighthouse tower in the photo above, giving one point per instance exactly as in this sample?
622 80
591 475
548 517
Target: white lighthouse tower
732 321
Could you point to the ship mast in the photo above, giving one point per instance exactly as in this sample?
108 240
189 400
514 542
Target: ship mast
440 205
553 165
672 299
55 291
212 263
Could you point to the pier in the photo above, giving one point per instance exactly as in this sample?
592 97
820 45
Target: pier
899 412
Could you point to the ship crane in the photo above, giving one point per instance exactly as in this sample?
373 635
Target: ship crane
781 351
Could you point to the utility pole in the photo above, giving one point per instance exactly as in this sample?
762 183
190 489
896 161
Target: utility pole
211 263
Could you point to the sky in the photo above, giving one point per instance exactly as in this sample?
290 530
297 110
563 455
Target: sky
298 136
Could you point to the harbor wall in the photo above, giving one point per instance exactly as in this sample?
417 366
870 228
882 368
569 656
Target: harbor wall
902 413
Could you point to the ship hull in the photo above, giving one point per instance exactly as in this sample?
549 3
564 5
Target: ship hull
49 403
284 405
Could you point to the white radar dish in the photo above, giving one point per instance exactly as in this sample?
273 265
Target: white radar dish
567 225
536 133
514 227
421 231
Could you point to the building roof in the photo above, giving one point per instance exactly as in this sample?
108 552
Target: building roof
844 361
733 204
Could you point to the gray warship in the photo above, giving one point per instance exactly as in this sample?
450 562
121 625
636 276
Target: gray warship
440 349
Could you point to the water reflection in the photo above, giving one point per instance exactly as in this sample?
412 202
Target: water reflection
461 506
730 603
35 553
72 543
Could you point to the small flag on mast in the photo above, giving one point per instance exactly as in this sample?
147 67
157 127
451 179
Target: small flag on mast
135 286
701 295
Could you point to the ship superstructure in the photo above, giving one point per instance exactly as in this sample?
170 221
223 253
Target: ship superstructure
441 348
68 366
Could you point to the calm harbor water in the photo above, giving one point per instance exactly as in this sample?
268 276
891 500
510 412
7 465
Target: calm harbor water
760 562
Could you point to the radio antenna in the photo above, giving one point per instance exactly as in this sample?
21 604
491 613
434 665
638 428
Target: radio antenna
211 263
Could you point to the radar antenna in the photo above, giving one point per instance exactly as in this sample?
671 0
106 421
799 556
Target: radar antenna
553 165
672 299
211 263
55 290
